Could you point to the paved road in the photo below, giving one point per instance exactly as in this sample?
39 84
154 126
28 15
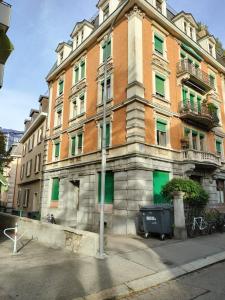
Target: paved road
206 284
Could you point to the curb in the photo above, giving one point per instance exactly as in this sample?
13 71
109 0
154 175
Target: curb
149 281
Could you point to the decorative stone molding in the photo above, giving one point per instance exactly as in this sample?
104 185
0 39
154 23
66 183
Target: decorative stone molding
78 87
136 11
160 64
109 67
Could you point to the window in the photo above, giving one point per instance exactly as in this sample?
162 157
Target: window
105 12
55 189
184 95
218 147
82 67
160 86
161 132
106 50
26 197
159 42
192 101
57 149
108 133
37 163
76 74
82 103
59 118
40 135
77 40
22 171
108 90
61 86
210 49
159 5
28 168
202 141
185 27
109 187
80 143
61 56
199 104
73 145
30 143
212 80
74 108
194 140
191 32
82 35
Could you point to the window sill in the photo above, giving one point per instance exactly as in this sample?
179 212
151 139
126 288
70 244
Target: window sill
161 56
77 117
57 127
160 98
109 101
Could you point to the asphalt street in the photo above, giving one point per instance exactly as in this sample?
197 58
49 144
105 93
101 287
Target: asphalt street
205 284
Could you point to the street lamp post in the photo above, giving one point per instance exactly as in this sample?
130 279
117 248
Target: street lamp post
103 163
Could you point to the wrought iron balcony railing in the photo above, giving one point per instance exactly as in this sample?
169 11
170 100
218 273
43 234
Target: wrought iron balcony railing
195 74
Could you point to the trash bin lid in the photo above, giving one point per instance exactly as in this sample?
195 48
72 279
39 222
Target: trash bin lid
156 207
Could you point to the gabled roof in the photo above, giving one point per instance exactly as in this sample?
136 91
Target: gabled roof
187 16
210 37
61 45
79 25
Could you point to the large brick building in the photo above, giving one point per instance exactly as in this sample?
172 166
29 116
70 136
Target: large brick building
165 113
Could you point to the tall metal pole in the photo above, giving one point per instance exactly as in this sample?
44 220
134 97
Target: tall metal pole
103 168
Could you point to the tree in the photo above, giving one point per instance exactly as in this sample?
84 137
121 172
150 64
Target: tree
4 155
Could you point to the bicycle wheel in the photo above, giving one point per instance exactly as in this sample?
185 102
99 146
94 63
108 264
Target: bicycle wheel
191 232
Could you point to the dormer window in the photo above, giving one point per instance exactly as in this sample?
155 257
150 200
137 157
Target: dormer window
210 49
61 56
105 12
191 33
185 27
82 35
159 5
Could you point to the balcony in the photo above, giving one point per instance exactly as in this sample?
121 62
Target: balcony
5 10
200 116
201 158
189 73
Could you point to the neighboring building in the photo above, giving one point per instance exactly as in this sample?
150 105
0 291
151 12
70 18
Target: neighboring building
3 191
11 173
12 137
28 197
165 114
6 46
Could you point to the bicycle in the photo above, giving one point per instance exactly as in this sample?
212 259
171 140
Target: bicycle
197 227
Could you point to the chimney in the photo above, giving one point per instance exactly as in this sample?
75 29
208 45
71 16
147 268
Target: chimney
26 124
43 100
33 114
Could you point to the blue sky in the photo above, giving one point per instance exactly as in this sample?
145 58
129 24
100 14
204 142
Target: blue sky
38 26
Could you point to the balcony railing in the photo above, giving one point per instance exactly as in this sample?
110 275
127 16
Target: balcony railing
196 75
201 157
198 114
5 9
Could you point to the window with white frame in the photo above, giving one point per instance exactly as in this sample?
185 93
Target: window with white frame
28 168
58 117
74 109
76 144
30 143
61 55
108 89
26 197
106 50
158 4
37 167
219 146
105 11
22 172
56 150
196 139
60 87
161 132
78 105
79 71
108 134
40 135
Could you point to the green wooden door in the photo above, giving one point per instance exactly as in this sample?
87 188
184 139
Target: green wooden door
109 187
160 178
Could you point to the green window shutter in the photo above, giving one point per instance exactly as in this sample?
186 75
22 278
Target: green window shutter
108 49
57 149
160 85
76 75
184 94
109 187
82 65
218 146
107 135
104 52
186 131
199 102
158 44
61 83
192 99
55 189
194 133
80 140
73 145
161 125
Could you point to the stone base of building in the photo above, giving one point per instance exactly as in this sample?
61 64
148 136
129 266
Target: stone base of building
78 204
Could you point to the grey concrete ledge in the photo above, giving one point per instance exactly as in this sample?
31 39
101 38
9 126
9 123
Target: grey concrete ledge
149 281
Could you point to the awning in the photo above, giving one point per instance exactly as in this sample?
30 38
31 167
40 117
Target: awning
191 51
6 47
3 180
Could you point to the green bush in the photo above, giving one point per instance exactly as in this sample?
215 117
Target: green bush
195 195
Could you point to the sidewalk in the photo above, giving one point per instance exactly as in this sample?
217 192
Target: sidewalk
132 264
